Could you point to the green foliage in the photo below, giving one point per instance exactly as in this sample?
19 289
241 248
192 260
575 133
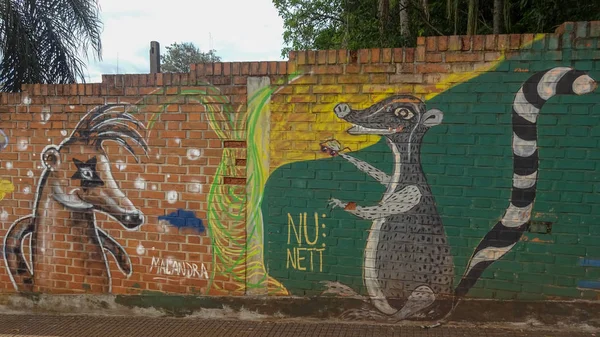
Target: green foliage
43 41
354 24
180 56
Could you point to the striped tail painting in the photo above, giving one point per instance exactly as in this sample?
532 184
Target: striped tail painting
527 104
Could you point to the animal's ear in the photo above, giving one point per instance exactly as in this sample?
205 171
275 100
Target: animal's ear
433 117
51 158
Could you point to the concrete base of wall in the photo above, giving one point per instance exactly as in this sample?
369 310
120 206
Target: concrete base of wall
559 313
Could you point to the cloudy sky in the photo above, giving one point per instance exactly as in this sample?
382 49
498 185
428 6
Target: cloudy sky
240 30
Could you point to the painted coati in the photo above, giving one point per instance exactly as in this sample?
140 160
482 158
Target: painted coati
408 267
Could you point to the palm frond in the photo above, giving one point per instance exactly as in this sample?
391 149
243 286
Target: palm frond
46 41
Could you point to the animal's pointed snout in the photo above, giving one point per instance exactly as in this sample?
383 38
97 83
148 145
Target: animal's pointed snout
342 110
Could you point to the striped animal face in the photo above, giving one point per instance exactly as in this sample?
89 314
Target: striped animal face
397 114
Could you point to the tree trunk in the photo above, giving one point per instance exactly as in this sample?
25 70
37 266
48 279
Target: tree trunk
472 17
498 10
383 9
404 24
425 4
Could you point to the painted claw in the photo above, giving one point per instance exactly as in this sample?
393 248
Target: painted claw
333 203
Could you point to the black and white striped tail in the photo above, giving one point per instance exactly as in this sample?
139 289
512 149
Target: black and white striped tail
527 104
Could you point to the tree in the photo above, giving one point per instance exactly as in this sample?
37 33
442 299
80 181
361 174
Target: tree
354 24
404 19
44 41
472 17
497 22
179 57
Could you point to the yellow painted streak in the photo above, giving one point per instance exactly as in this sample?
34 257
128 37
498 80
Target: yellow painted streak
6 187
295 136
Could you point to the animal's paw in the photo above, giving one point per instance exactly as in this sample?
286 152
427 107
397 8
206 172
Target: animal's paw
341 290
333 203
363 314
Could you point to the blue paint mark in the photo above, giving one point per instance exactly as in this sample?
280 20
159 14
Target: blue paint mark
589 263
589 284
184 219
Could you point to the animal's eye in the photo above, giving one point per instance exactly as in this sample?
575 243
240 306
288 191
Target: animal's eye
404 113
86 173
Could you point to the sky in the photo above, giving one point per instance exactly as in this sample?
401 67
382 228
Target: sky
239 30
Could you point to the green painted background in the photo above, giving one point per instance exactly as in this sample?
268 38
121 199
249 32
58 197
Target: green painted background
468 163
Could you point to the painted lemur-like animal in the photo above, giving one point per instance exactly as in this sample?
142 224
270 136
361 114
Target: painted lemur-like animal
408 267
76 183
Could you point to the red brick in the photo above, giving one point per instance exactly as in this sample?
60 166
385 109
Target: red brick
478 42
311 57
363 56
464 57
420 54
398 55
433 68
321 57
331 56
375 55
454 43
409 55
379 68
433 57
302 57
490 42
466 42
387 55
515 41
442 43
431 43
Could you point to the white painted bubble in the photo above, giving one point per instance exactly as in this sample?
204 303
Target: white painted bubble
45 116
63 132
26 100
140 249
8 165
26 189
120 165
3 140
22 144
4 215
168 176
193 154
30 174
177 141
172 197
140 183
154 187
194 187
71 107
157 156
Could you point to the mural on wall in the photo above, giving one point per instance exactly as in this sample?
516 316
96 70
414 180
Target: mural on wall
407 267
76 182
336 192
407 256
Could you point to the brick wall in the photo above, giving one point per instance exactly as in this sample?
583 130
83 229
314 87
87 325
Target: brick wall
460 167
